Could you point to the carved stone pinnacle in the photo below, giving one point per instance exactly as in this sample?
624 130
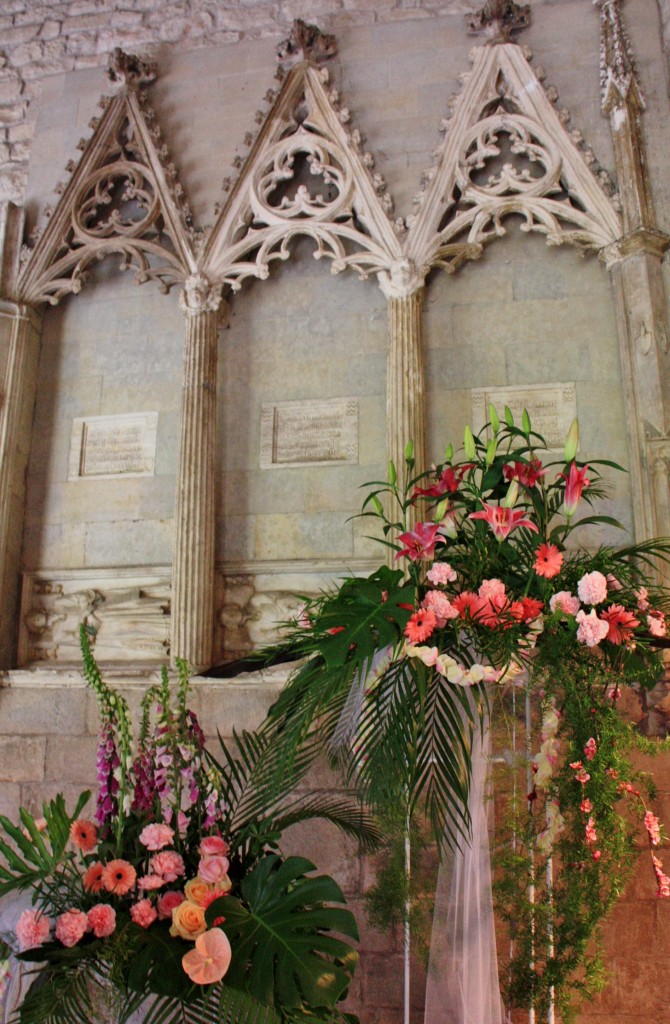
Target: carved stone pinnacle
499 20
128 71
306 42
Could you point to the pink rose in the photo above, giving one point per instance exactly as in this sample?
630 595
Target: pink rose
167 902
143 913
71 927
592 588
213 869
169 865
155 837
32 929
102 919
565 602
213 846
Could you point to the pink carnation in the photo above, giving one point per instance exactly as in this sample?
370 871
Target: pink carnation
102 919
441 606
213 869
492 589
565 602
212 846
656 623
167 902
441 572
149 882
592 588
143 913
71 927
32 929
155 837
169 865
591 629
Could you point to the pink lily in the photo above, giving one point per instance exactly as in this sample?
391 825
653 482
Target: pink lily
503 520
419 542
575 483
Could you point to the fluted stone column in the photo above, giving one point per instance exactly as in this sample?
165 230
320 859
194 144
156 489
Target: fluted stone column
20 333
635 264
405 387
193 564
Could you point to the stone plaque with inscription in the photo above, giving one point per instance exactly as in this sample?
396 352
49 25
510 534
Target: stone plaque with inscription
309 433
108 446
551 407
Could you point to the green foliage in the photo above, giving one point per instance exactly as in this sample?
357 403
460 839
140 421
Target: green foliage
284 952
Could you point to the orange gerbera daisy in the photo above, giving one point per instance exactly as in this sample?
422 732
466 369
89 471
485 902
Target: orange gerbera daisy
118 877
548 561
420 625
92 879
84 835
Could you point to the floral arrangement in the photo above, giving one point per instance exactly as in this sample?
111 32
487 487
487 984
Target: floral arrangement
174 901
488 594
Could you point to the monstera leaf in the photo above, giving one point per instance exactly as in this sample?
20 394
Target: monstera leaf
284 951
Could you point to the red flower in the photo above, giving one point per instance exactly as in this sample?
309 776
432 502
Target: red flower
420 625
503 520
84 835
548 561
467 604
621 623
532 607
419 542
526 473
575 483
449 480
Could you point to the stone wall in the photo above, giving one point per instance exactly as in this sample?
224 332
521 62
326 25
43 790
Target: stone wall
525 314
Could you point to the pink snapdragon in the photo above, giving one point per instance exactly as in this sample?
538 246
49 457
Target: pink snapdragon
651 823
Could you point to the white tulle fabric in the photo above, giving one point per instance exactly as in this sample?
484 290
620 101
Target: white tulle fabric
462 985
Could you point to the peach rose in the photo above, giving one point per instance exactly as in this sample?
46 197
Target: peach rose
188 921
198 891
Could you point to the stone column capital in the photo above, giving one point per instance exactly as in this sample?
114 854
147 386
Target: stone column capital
199 296
643 241
401 280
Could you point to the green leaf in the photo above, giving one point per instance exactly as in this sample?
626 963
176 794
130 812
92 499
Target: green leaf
284 949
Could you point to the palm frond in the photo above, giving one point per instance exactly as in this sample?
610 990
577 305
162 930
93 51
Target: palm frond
222 1005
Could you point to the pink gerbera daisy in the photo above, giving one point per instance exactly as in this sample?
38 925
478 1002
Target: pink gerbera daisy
548 561
420 625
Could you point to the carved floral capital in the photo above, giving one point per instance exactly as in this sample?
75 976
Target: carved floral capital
199 296
401 280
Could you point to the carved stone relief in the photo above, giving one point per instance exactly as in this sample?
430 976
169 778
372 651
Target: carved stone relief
551 407
127 615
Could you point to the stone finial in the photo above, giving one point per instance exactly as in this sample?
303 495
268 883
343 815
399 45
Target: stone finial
499 20
306 42
128 71
618 76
